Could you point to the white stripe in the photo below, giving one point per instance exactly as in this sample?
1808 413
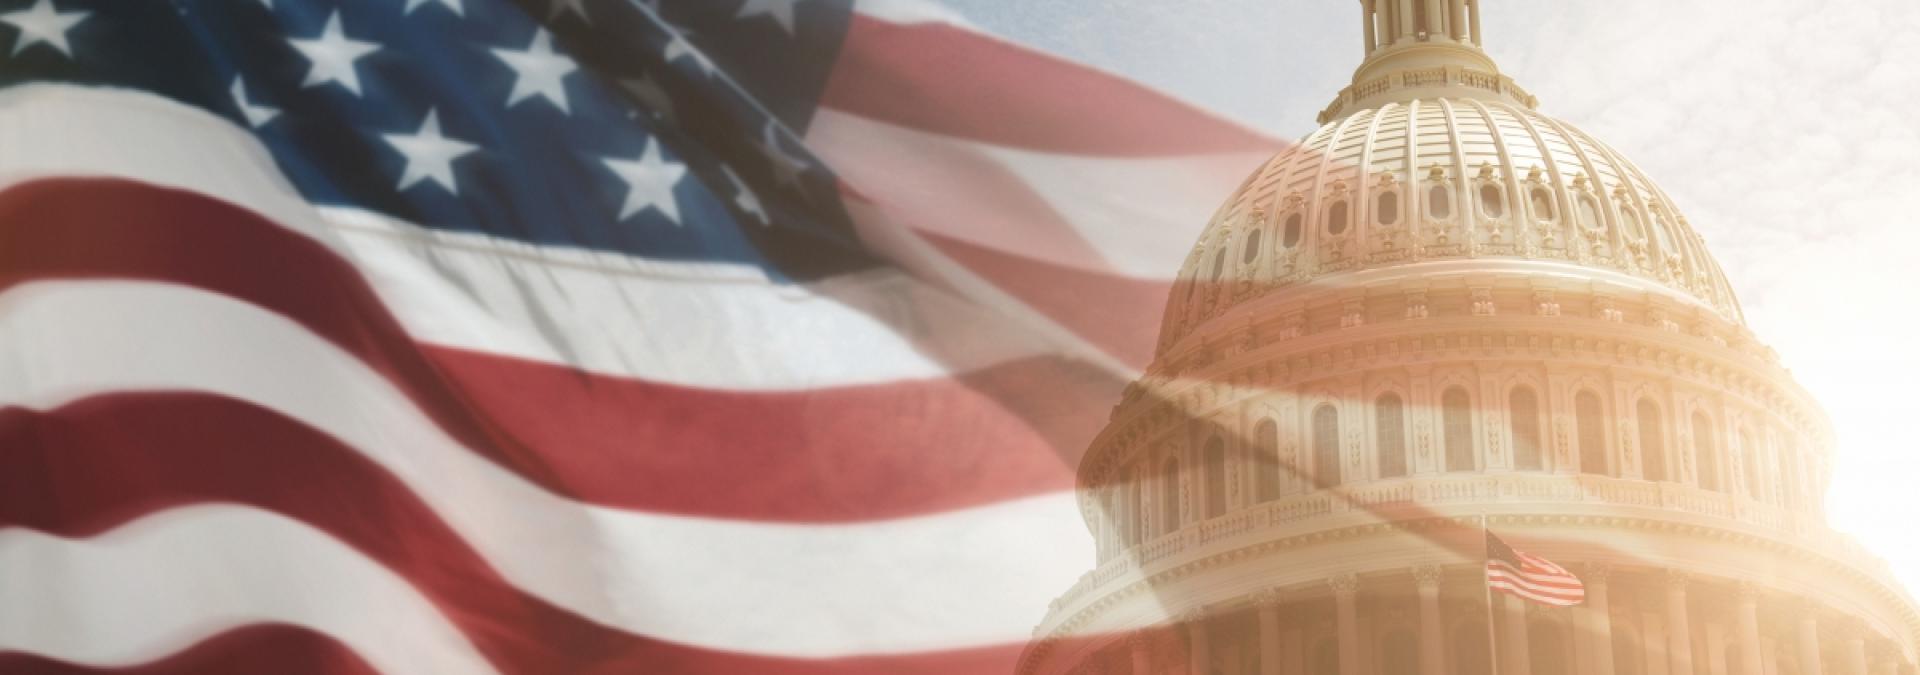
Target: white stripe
162 583
972 577
710 326
1139 215
911 11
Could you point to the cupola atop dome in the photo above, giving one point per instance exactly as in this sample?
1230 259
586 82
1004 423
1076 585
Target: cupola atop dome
1423 49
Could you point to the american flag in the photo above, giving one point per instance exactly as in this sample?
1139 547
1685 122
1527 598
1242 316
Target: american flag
1530 577
470 336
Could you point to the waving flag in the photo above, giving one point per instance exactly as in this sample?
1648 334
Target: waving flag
1530 577
472 336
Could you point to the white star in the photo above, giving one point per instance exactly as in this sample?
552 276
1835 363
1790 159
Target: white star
650 182
429 155
332 55
786 168
576 6
257 115
538 71
745 199
781 11
39 24
451 5
653 99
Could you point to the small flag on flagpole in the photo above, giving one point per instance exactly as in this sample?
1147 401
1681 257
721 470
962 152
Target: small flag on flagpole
1530 577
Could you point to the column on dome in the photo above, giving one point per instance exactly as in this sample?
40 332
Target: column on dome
1809 639
1513 641
1436 19
1473 20
1367 17
1346 588
1268 604
1404 14
1199 648
1679 628
1855 653
1427 583
1747 622
1597 618
1457 20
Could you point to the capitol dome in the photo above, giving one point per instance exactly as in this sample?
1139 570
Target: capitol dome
1442 313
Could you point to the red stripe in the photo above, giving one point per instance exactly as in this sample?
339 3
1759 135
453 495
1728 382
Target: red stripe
251 650
831 455
94 464
948 80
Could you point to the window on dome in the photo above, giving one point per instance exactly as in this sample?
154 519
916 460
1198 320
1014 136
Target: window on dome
1170 496
1589 213
1399 655
1387 208
1492 202
1706 457
1439 202
1215 460
1456 411
1470 650
1266 467
1660 228
1250 249
1524 407
1653 446
1337 218
1788 473
1591 431
1390 436
1326 447
1219 263
1630 221
1292 234
1542 200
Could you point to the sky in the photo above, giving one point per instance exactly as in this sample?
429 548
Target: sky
1787 130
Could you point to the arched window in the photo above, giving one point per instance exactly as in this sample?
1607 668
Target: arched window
1547 649
1170 496
1291 234
1542 201
1266 469
1750 454
1492 201
1215 459
1390 436
1788 474
1326 447
1337 218
1592 432
1456 412
1439 202
1398 654
1219 263
1706 457
1386 208
1630 221
1250 249
1524 408
1589 213
1470 653
1653 446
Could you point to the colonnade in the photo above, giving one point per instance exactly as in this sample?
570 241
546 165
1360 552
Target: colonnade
1388 626
1388 22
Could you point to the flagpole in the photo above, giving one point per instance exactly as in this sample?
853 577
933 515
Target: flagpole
1486 586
